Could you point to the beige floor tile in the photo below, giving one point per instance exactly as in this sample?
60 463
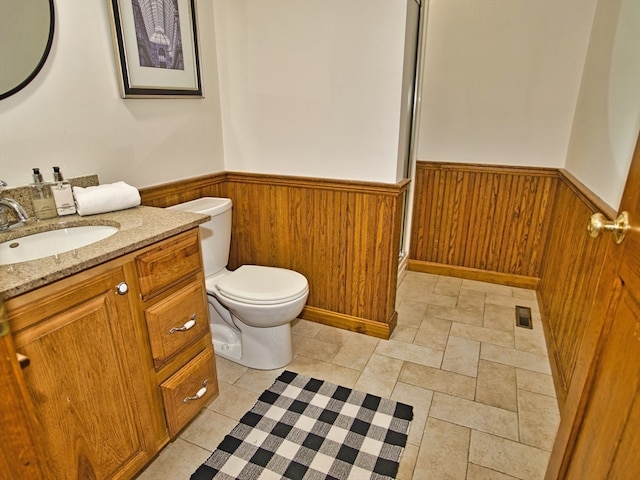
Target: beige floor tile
529 341
340 337
410 313
475 415
233 401
305 327
228 371
499 317
420 399
178 460
483 334
324 371
427 296
208 429
448 286
476 472
512 301
379 376
419 354
506 456
355 352
525 293
461 356
404 334
539 419
472 300
454 314
314 348
407 462
535 382
433 332
258 380
418 281
441 300
443 452
497 385
438 380
515 358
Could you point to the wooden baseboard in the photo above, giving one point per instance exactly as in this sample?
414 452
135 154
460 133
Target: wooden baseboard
348 322
519 281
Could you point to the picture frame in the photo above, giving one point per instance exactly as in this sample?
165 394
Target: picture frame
156 48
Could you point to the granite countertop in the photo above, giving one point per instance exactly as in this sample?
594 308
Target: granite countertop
138 227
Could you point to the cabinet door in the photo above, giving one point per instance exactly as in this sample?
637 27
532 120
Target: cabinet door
86 378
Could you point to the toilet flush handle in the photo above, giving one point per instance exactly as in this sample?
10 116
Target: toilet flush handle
188 325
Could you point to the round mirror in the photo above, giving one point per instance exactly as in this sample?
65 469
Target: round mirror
26 34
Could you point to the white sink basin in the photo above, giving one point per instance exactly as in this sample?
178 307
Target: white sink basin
53 242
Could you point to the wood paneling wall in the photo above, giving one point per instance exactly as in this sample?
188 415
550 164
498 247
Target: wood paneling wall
481 222
571 267
343 236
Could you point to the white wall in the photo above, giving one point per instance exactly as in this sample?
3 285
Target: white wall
71 115
607 116
307 91
501 79
310 87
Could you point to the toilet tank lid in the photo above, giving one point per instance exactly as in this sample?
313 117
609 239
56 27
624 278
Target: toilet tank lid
209 205
258 283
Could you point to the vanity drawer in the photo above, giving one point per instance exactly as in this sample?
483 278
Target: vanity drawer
170 261
189 390
177 321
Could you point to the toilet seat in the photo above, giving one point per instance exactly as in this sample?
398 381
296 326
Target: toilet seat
258 285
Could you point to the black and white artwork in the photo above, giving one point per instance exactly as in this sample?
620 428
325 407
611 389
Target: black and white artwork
157 24
156 46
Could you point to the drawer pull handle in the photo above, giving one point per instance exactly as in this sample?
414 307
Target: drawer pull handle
199 394
190 324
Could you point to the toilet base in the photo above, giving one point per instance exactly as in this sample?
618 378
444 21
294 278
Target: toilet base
226 342
259 348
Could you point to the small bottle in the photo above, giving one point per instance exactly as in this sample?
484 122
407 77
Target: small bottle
62 194
44 206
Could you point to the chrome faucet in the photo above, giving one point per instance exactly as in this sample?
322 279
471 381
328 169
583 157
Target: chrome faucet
18 210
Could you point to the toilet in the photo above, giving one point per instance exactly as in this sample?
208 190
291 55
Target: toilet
252 307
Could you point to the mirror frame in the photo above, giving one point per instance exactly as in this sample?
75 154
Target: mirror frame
43 59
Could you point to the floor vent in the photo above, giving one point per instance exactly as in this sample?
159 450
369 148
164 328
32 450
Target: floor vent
523 317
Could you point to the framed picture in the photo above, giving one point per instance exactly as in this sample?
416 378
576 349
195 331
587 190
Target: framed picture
156 46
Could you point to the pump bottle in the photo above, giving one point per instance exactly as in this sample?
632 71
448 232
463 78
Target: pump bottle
62 194
44 206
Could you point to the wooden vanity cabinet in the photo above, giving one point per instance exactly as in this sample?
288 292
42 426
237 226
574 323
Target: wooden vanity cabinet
86 375
100 364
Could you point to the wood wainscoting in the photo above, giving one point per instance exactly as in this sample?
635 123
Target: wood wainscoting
343 236
571 267
481 222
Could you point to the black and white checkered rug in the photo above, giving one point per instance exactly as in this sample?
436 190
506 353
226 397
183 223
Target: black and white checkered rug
304 428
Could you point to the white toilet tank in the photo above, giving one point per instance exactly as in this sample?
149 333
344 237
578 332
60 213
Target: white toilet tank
215 234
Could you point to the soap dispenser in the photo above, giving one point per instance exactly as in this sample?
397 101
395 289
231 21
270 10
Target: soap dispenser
62 194
44 205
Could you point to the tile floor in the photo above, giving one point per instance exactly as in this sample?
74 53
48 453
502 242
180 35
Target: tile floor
483 397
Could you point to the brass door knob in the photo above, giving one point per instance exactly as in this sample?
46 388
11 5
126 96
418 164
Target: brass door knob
598 223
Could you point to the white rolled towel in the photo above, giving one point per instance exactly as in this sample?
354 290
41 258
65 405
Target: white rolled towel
109 197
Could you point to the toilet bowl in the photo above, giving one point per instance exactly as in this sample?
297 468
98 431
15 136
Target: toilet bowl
250 308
